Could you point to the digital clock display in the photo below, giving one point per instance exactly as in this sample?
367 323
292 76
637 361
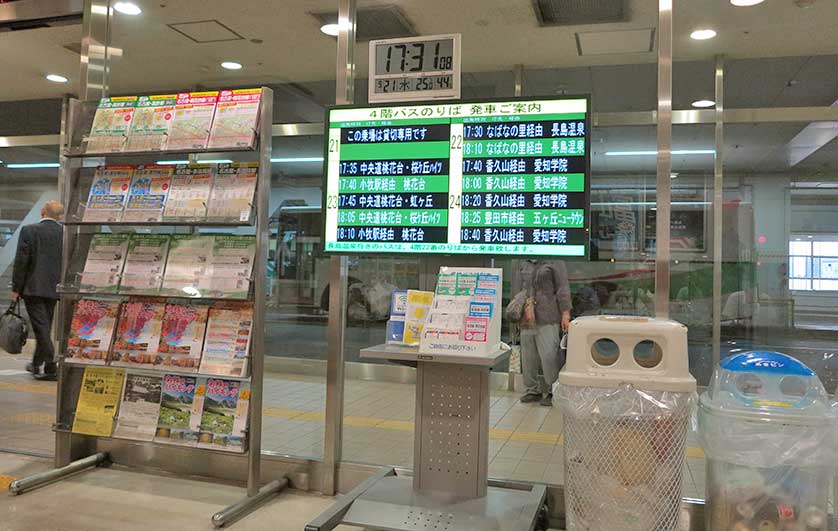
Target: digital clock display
422 56
415 68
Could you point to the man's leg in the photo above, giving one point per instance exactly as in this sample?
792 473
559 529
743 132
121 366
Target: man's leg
530 363
50 365
547 342
40 317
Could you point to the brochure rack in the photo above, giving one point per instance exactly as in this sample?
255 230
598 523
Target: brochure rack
75 452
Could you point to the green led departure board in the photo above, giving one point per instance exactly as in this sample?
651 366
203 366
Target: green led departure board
500 178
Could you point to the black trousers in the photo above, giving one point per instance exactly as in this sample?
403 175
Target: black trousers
41 312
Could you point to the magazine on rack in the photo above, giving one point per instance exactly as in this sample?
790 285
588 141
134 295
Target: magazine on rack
140 407
147 196
151 123
111 124
192 121
232 191
180 410
91 331
101 389
188 267
232 266
227 341
236 117
144 264
105 260
182 337
108 193
224 417
138 334
190 191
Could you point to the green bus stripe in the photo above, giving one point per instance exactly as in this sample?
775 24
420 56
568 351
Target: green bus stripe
563 218
392 184
524 147
438 149
562 182
394 217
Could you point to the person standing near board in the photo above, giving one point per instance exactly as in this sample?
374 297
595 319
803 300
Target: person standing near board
542 310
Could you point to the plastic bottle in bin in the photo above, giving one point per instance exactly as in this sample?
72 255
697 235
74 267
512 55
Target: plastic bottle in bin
769 432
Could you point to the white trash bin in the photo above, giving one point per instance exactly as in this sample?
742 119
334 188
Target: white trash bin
626 394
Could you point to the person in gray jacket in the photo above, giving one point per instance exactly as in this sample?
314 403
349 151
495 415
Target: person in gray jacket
546 285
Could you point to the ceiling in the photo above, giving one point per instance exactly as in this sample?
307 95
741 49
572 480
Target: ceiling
497 34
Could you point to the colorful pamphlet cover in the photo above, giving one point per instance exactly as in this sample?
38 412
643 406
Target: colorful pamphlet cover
227 341
111 124
189 267
108 193
224 419
96 408
182 337
180 410
144 265
398 309
140 407
232 266
232 191
138 334
189 192
147 196
152 121
105 260
91 331
192 122
416 312
236 117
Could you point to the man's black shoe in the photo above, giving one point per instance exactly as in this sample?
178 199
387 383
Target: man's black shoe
530 397
30 368
46 377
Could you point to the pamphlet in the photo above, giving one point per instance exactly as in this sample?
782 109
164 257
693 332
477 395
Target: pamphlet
111 124
101 389
398 309
232 265
227 341
138 334
147 196
105 259
182 337
236 117
188 267
232 191
180 410
91 331
224 416
152 121
418 305
143 272
140 407
108 192
190 191
192 121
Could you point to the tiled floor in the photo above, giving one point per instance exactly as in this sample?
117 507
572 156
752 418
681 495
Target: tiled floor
525 439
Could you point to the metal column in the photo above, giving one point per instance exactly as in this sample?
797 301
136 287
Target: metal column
718 199
95 50
664 194
338 271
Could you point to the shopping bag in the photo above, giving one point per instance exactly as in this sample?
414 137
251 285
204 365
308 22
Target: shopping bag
13 329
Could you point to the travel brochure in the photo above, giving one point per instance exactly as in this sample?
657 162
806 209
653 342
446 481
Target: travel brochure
161 193
99 395
224 417
231 266
105 259
144 264
143 333
189 265
140 407
214 119
180 411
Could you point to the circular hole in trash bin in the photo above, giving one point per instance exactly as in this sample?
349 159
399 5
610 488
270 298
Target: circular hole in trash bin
648 354
605 352
749 384
793 386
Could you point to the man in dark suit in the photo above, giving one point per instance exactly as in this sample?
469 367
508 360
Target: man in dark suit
37 272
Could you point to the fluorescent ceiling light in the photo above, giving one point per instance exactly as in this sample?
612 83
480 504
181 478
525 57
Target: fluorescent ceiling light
298 159
127 8
331 30
231 65
27 165
171 162
651 153
55 78
702 34
746 3
702 104
176 162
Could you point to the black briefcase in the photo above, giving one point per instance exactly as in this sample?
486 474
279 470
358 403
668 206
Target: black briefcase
13 329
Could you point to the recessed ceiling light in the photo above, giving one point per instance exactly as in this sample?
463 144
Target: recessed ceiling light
703 34
55 78
746 3
231 65
127 8
701 104
331 30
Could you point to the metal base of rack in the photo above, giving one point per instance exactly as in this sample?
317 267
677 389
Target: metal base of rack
246 505
19 486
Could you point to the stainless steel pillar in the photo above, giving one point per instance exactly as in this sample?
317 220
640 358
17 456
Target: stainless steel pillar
95 46
718 199
664 195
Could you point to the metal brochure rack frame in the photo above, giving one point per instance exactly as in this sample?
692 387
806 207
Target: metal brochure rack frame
450 489
75 452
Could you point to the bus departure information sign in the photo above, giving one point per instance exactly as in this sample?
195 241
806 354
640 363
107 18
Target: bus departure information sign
498 178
